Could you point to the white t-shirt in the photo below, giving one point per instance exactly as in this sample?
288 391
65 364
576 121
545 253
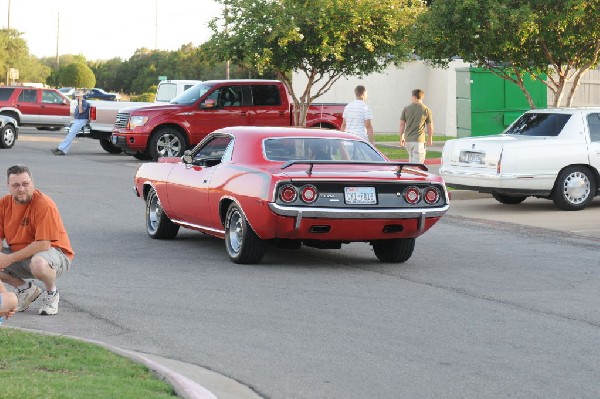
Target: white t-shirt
355 115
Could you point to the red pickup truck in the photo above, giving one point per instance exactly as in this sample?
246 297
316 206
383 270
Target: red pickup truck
168 130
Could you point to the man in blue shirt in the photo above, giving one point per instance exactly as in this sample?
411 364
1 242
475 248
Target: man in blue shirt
81 118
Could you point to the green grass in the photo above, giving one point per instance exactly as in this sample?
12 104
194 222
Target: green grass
383 137
43 366
395 153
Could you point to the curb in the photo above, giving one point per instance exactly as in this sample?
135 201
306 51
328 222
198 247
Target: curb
183 386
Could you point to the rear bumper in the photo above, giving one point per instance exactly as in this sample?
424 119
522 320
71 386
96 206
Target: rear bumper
525 184
358 218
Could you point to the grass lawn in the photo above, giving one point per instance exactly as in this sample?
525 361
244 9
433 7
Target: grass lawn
44 366
395 153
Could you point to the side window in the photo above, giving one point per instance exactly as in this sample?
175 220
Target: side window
5 93
213 152
227 96
50 97
594 126
265 95
28 96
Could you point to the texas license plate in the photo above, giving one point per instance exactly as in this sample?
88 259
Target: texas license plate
472 157
360 195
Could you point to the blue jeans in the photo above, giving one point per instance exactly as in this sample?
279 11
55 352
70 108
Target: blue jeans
75 128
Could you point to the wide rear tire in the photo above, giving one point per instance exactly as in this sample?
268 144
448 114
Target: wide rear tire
395 250
241 242
158 224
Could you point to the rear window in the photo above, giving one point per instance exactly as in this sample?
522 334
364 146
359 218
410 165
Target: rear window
5 93
314 148
265 95
538 124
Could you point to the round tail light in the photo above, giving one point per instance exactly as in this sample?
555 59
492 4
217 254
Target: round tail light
288 193
432 195
412 195
309 194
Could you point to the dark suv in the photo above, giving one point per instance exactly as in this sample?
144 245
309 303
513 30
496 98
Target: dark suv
30 106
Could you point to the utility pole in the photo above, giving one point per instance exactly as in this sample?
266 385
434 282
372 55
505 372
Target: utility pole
57 80
8 24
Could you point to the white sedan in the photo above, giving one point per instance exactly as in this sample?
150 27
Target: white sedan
545 153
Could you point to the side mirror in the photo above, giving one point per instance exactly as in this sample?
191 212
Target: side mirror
208 104
187 157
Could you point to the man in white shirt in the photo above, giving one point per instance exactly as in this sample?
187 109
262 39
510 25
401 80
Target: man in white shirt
358 115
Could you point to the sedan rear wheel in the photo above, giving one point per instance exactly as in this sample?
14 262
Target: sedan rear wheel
241 242
395 250
8 136
158 224
574 189
509 199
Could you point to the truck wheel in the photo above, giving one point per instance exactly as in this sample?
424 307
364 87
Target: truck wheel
167 142
109 147
241 242
158 224
8 136
395 250
574 189
508 199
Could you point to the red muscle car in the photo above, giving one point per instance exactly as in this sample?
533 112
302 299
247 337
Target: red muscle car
261 186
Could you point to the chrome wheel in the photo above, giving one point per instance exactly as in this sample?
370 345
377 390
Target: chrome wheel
574 189
158 224
8 136
241 242
235 232
169 145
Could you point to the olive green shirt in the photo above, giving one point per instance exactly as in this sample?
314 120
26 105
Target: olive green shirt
416 116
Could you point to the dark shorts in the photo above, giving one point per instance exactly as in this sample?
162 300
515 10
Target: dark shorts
56 259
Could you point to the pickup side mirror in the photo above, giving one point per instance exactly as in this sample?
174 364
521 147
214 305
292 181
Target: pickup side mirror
208 104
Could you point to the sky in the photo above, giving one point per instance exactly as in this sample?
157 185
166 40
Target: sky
104 29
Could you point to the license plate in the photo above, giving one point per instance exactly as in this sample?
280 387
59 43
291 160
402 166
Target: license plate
360 195
113 139
472 157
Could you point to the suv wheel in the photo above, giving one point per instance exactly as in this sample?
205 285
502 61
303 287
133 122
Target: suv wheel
8 136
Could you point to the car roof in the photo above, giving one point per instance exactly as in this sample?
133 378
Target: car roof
262 132
565 110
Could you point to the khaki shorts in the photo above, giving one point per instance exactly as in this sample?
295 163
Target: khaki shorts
56 259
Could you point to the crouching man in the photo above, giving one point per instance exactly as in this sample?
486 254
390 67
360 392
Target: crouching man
38 245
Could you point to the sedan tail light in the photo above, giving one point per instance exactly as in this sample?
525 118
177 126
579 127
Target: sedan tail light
288 193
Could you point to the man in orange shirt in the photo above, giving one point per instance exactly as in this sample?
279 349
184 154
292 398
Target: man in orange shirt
38 245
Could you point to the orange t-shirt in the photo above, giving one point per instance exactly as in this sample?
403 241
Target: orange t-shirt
38 220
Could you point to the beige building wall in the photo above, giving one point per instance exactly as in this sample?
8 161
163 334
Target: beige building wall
389 92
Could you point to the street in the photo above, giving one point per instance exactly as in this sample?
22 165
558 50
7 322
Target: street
483 308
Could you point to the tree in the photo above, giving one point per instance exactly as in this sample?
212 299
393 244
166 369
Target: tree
77 75
324 39
14 53
554 41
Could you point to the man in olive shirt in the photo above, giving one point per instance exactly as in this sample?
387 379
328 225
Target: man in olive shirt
415 118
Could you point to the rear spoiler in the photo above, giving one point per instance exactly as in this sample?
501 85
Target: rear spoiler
311 164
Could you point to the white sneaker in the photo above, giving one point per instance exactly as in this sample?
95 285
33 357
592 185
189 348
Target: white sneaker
49 303
27 296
